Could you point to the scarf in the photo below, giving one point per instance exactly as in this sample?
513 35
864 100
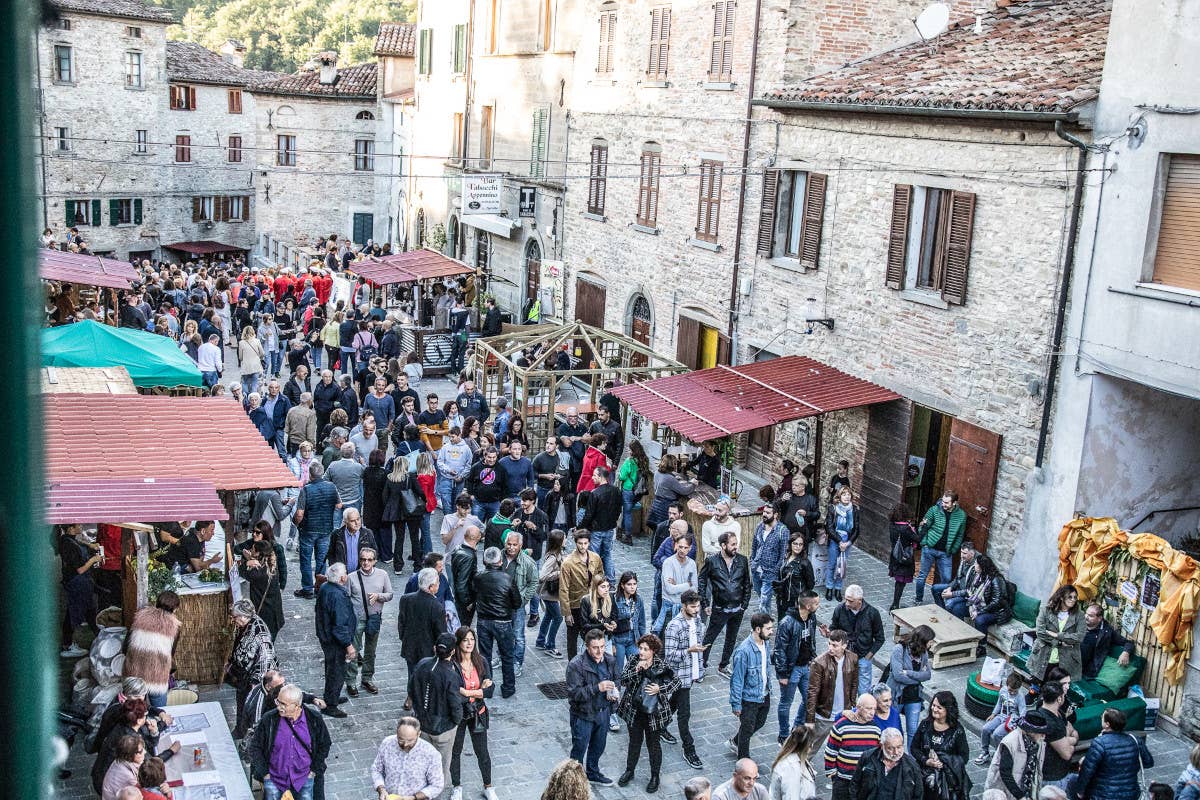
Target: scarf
845 519
1029 775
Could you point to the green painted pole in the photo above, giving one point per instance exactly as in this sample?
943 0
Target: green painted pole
28 635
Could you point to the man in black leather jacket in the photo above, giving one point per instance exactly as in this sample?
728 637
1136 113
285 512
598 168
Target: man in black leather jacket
463 566
724 583
434 686
496 598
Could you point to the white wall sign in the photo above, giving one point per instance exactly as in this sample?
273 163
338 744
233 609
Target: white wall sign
481 194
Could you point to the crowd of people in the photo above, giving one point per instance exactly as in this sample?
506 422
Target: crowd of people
527 550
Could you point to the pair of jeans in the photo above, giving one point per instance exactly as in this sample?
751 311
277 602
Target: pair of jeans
665 614
448 489
753 717
930 557
797 683
719 620
273 792
628 501
602 542
347 357
982 622
551 619
518 624
486 510
210 379
681 704
250 383
500 632
640 729
831 579
957 606
335 672
987 734
365 645
624 647
765 590
588 739
866 680
383 540
479 743
312 545
911 712
275 359
656 603
315 352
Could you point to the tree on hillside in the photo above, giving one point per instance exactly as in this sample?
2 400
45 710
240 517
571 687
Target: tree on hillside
282 35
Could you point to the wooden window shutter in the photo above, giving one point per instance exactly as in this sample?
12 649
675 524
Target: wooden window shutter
597 179
245 208
814 218
708 211
537 146
958 247
897 250
114 212
660 38
226 204
137 211
720 66
652 196
191 94
687 342
766 213
69 207
1175 262
197 209
96 213
724 349
608 25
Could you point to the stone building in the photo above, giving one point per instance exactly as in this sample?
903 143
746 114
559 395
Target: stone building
916 235
315 164
394 47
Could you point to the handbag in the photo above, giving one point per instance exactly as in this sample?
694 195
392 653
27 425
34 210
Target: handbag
374 621
408 499
477 716
647 703
902 553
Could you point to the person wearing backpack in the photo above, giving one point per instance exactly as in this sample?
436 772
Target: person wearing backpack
903 538
633 477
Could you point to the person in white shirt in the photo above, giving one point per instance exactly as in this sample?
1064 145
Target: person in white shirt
711 530
678 575
792 773
743 785
210 361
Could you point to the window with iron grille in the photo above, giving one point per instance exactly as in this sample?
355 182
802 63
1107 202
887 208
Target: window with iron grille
64 64
648 179
285 150
608 34
708 209
660 39
720 67
183 149
597 177
364 155
235 149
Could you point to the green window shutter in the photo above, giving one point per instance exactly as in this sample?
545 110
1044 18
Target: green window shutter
137 211
69 205
96 213
537 147
460 48
114 212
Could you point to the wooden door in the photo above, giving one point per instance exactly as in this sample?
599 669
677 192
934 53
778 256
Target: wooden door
589 302
687 342
972 461
888 428
533 271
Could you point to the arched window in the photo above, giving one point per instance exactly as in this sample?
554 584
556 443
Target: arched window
452 248
641 324
365 115
533 270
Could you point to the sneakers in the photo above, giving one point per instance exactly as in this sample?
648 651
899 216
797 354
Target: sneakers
613 725
74 651
550 651
600 779
519 669
456 793
304 594
489 793
725 672
693 761
732 746
533 621
666 736
291 544
983 758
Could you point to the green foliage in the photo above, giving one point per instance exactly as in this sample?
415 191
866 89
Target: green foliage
281 35
436 238
159 577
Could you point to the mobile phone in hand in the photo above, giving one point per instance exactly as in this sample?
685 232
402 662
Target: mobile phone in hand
100 551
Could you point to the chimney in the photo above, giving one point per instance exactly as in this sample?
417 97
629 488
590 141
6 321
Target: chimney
328 62
234 52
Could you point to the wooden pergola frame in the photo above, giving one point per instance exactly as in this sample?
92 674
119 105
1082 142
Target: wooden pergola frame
600 356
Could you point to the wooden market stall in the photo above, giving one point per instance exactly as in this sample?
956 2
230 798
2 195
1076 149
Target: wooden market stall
680 412
76 278
412 272
199 451
540 392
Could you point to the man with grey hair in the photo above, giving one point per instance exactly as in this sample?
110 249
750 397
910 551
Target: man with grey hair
698 789
496 599
314 514
743 785
852 735
325 397
301 423
275 757
347 540
370 588
887 772
524 571
335 631
864 627
276 407
420 620
346 475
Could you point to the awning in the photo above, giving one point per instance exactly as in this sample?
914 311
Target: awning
59 265
204 247
492 223
414 265
132 500
721 401
151 359
98 436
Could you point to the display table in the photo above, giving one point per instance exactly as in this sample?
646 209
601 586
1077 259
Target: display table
699 509
207 766
954 641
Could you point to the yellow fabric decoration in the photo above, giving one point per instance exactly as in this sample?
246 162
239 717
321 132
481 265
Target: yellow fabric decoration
1084 548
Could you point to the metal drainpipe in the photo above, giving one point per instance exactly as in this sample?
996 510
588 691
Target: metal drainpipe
737 239
1064 290
28 632
41 117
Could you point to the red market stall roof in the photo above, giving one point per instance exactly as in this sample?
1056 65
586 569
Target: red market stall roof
711 403
59 265
132 500
146 436
414 265
204 247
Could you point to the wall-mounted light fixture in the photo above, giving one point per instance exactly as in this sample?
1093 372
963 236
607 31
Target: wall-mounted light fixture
812 318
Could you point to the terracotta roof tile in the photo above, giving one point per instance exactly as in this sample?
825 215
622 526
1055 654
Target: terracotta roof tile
396 39
358 81
142 436
126 9
1033 56
194 63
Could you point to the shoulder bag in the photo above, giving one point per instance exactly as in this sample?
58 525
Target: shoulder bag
374 621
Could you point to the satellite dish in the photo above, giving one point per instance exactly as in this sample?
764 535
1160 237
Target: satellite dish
933 21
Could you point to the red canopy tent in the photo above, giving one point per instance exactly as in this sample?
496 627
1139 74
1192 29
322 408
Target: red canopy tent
87 270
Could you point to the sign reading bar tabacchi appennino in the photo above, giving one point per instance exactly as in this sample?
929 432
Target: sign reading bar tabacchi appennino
481 194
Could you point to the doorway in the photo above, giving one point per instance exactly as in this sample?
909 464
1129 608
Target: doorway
639 328
533 276
700 346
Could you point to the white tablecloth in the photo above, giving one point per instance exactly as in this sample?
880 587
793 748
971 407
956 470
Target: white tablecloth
219 775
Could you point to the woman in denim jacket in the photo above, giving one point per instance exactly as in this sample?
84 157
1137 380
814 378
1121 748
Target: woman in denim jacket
631 619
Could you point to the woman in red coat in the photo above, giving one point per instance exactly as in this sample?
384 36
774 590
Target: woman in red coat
592 458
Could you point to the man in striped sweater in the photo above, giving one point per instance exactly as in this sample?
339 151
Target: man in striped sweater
853 734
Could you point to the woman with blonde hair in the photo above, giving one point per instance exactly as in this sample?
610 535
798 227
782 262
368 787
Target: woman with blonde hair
792 773
403 508
427 480
250 359
187 343
567 781
331 338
